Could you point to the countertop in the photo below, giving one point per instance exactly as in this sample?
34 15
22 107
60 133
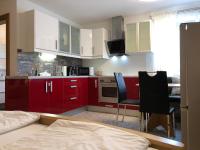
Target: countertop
57 77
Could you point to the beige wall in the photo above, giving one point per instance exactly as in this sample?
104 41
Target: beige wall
10 6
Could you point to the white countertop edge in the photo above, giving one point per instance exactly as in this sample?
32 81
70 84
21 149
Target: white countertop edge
57 77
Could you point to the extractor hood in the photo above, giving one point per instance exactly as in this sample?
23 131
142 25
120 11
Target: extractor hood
116 47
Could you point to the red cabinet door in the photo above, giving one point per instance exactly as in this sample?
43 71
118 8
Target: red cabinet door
38 95
93 94
16 97
83 91
55 89
132 89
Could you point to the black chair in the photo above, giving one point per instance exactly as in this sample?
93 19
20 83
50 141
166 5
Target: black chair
154 101
122 95
174 100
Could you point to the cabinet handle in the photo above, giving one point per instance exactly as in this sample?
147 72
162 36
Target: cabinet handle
73 86
73 98
46 87
51 86
93 51
81 50
73 80
56 44
95 84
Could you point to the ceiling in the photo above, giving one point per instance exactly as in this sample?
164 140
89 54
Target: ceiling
88 11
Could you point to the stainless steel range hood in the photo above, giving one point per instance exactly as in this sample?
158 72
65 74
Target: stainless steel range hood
116 47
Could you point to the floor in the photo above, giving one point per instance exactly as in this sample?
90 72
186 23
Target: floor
129 122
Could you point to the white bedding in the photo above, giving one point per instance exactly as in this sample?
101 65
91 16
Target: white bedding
17 134
76 135
11 120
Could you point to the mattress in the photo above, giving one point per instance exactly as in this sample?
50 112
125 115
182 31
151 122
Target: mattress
30 134
17 134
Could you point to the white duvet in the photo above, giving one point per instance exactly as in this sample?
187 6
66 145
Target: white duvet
76 135
11 120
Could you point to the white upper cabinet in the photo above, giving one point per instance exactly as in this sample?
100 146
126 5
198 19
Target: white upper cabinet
38 32
93 43
138 37
86 43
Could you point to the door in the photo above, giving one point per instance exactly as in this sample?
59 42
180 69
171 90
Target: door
55 96
64 37
86 43
93 91
190 81
83 91
97 41
75 41
38 95
144 37
46 32
131 37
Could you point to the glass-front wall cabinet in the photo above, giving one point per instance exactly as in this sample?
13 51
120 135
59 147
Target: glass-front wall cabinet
75 40
64 37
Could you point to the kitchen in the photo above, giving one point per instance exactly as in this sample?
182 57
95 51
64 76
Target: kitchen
66 66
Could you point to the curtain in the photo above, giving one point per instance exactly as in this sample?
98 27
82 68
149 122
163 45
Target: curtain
165 43
166 39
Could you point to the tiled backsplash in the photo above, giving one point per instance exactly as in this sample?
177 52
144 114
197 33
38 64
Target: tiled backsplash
28 62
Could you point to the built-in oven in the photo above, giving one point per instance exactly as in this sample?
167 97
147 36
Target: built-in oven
108 90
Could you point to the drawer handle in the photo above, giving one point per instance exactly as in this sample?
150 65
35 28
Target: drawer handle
73 80
73 98
73 86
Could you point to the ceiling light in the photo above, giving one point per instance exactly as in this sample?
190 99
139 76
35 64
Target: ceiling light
124 58
147 0
114 59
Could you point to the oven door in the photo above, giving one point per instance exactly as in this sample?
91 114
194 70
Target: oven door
108 92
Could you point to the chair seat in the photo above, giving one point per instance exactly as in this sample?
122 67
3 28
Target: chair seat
130 102
175 98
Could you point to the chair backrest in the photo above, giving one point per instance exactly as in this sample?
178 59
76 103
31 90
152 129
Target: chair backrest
154 92
121 87
169 80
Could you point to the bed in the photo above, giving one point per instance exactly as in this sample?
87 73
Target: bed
48 131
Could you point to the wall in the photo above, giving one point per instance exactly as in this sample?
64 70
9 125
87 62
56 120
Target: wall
28 62
10 6
128 66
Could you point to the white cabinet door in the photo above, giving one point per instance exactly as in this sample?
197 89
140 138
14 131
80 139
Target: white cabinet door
86 42
138 37
144 37
97 42
46 32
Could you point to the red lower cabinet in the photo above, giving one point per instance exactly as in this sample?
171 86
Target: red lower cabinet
45 95
16 94
38 95
71 90
93 92
83 91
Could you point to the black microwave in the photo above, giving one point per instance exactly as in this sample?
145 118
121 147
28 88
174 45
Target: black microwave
83 71
78 71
